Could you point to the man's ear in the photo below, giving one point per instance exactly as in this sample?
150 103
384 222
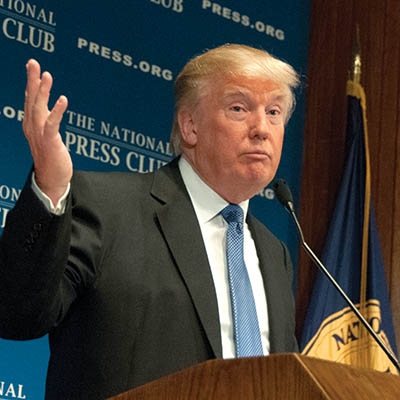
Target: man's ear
187 127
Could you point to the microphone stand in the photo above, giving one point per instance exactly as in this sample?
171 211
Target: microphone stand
289 206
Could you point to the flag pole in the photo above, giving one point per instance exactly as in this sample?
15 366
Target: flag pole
354 88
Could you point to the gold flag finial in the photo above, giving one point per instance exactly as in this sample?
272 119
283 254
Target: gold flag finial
356 67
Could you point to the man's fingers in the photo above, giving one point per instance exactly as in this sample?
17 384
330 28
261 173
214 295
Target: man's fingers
32 84
37 91
54 119
43 93
38 120
60 106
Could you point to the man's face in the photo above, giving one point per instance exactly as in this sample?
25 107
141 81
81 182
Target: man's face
233 138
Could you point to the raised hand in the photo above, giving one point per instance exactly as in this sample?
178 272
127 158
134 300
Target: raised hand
52 161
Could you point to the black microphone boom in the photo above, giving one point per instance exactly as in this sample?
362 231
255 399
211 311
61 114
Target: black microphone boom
284 195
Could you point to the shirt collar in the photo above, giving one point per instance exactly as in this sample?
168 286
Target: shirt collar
206 202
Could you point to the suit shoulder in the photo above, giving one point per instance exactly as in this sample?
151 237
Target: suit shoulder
110 180
260 229
107 178
108 188
264 238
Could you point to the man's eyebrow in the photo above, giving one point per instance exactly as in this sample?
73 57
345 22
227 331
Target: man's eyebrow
232 92
279 98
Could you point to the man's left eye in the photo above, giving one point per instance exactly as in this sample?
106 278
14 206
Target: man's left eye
274 112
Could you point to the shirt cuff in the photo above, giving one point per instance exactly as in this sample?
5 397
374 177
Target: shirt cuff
57 209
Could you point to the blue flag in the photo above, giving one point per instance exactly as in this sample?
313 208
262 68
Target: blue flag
352 255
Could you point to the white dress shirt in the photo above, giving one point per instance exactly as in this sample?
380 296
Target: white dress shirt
208 205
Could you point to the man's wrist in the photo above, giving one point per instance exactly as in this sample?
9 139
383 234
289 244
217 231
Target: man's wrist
57 209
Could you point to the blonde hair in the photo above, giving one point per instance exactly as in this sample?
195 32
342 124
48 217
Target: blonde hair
228 60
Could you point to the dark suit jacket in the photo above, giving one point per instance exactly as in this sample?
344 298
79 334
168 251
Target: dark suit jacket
122 283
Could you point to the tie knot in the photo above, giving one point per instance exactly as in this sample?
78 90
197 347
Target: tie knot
233 213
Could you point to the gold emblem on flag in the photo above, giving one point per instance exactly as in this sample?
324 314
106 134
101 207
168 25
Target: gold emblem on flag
342 338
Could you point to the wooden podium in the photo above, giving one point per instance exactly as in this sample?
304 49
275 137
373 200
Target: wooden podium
280 377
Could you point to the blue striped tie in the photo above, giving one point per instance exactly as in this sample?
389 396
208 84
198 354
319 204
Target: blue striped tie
246 328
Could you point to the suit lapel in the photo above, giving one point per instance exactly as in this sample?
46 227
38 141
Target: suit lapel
182 232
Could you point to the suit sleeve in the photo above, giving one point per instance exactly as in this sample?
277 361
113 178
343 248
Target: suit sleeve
39 275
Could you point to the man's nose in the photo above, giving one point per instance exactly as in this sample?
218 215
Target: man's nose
260 125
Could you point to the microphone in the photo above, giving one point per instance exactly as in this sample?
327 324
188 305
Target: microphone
284 195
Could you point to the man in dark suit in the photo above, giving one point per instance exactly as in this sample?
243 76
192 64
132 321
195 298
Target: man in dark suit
127 272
